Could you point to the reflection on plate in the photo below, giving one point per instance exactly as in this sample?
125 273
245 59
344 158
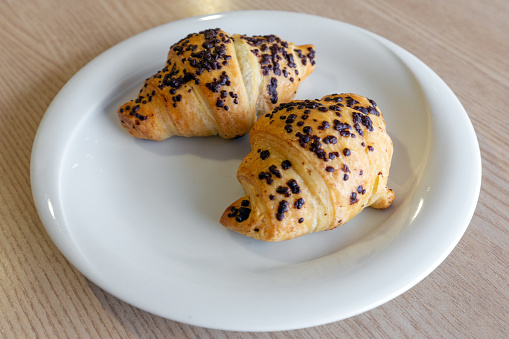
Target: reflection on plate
140 218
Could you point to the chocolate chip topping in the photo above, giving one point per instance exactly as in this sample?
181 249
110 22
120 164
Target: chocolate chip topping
266 176
282 190
272 88
282 209
299 203
292 183
243 214
353 198
286 164
264 154
240 214
273 169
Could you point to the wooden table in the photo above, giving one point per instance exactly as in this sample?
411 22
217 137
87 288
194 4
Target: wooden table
43 43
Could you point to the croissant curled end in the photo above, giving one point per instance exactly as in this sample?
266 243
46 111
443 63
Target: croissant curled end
240 217
142 121
385 200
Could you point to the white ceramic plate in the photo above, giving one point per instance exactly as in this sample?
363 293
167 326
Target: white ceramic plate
140 218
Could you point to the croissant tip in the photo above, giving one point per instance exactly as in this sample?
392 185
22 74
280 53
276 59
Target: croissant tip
385 201
239 218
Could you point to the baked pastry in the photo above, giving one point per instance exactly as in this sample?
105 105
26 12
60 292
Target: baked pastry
214 83
314 165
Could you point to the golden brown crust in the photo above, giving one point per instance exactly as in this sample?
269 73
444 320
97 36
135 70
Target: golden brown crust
314 165
216 84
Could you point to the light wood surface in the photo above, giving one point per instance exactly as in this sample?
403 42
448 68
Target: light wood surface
44 42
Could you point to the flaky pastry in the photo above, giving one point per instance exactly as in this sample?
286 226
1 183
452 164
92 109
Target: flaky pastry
314 165
214 83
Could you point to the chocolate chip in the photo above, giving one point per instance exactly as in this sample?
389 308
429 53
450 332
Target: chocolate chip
325 125
292 183
330 139
286 164
282 209
299 203
266 176
272 88
282 190
273 169
243 214
353 198
283 206
233 212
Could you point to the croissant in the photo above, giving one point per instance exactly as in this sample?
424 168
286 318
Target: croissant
214 83
314 165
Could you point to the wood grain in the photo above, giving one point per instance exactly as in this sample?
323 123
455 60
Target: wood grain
43 43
